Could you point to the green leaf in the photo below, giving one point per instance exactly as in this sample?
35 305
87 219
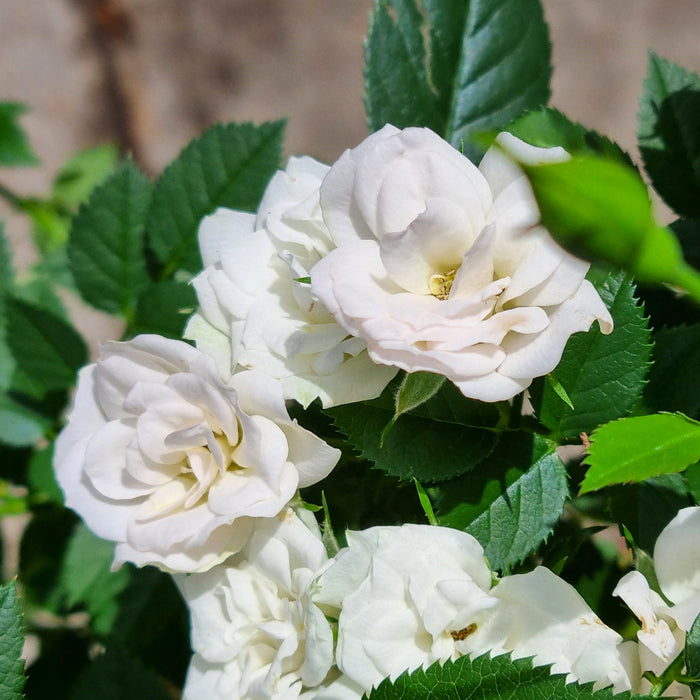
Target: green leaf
647 507
153 623
511 501
14 146
57 350
164 308
436 441
115 675
484 678
415 389
485 63
671 386
41 477
603 375
669 133
228 166
86 578
81 173
637 448
7 275
692 650
106 242
547 127
20 426
11 642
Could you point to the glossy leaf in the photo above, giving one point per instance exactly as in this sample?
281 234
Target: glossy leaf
511 501
227 166
603 375
485 678
637 448
485 62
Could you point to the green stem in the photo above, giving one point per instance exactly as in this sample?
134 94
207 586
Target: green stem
672 673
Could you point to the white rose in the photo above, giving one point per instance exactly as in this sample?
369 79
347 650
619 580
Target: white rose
255 632
441 267
405 597
256 310
547 619
664 627
160 456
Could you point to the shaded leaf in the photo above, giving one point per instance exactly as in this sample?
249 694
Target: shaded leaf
164 308
227 166
669 133
41 477
434 442
511 501
671 386
647 507
115 675
87 578
106 242
692 650
20 426
57 350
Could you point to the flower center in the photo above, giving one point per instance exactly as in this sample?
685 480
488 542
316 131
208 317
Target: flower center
440 285
459 635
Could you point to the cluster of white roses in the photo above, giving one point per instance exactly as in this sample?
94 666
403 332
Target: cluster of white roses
402 255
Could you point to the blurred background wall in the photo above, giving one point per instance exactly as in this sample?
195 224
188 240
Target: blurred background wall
150 74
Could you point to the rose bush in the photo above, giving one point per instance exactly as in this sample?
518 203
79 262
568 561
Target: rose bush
255 632
256 309
162 457
664 626
441 267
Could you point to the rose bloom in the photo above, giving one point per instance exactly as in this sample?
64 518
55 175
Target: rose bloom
162 457
405 597
255 632
547 619
441 266
664 626
256 309
408 596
